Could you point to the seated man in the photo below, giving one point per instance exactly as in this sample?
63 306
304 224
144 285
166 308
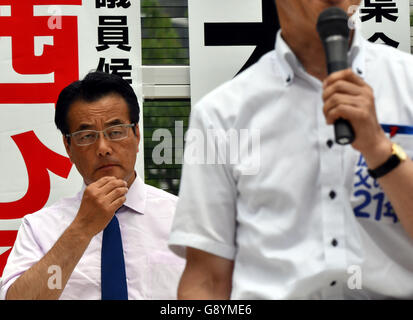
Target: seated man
78 248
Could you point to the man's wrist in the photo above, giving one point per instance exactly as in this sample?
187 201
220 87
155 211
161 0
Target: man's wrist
378 153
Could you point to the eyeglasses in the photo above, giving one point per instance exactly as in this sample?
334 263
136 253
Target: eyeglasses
113 133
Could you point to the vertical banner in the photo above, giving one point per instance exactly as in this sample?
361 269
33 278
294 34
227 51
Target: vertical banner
225 36
387 22
44 46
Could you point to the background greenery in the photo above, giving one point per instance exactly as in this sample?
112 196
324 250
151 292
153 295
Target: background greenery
164 42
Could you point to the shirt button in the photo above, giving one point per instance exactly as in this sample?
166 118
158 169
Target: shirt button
330 143
332 194
334 243
333 283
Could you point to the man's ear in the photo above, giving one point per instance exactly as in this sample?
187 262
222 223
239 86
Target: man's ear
137 134
67 147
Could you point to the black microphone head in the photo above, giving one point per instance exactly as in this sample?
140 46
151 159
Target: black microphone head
333 21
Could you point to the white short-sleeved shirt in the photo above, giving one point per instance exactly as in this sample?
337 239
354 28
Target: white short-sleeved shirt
305 220
152 270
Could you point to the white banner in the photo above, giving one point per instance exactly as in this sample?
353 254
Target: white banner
214 62
386 22
213 65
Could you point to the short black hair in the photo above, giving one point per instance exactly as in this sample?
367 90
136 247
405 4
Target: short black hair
93 87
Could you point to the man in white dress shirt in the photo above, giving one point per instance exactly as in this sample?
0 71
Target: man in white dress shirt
58 249
313 222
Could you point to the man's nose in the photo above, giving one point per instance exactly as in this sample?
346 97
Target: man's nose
103 145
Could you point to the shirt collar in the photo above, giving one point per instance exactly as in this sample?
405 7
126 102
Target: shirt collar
287 61
356 54
289 65
135 198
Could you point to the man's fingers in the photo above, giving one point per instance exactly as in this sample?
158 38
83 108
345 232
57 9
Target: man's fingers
347 112
111 185
116 194
339 99
341 86
116 204
347 75
102 181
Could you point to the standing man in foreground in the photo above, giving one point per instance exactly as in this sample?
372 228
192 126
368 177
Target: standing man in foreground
78 248
312 223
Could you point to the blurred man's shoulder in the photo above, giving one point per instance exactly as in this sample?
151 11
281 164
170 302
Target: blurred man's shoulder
232 95
383 52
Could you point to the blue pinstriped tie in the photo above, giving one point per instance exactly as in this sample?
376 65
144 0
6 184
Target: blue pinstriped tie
113 278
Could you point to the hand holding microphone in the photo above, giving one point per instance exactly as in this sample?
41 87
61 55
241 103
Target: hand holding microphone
346 95
332 27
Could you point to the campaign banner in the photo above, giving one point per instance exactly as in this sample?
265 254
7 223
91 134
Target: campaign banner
44 46
386 22
227 36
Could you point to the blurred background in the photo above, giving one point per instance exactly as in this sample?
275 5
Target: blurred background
165 43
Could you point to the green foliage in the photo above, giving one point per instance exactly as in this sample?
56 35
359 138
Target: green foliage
162 44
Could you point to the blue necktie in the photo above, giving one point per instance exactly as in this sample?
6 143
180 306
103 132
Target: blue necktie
113 278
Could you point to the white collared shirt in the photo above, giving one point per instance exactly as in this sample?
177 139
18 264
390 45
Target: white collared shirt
152 270
311 223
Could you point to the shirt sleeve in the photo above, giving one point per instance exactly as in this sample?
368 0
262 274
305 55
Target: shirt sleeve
25 253
205 217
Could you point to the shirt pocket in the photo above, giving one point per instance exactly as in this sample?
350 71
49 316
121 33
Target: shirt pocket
367 197
164 272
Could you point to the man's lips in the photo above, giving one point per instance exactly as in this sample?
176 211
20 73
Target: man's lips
333 2
107 166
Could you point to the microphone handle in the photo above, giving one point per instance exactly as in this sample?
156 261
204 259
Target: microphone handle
333 66
344 133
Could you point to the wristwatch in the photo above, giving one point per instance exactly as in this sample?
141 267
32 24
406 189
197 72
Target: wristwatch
397 156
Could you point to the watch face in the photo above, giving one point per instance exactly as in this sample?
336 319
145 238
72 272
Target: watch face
399 152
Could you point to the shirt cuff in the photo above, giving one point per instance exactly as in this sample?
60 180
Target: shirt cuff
178 242
4 286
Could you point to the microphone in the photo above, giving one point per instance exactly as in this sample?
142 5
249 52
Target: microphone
332 27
